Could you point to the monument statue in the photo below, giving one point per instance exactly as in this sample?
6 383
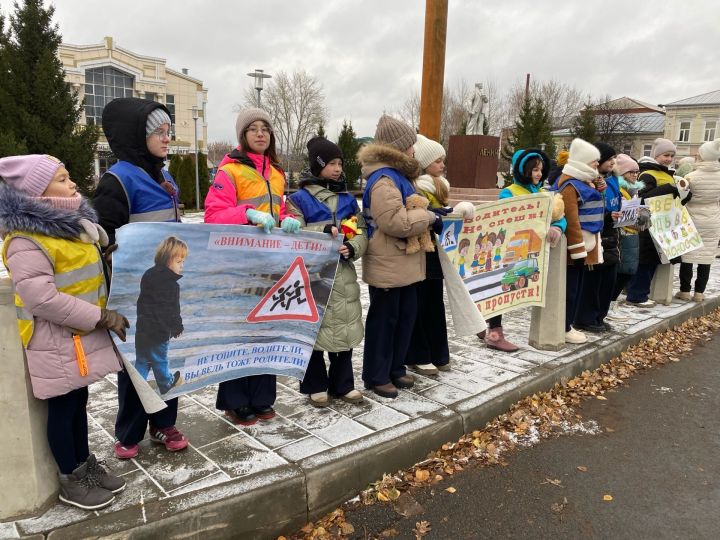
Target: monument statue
478 111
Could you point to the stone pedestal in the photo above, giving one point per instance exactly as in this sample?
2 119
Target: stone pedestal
472 161
28 475
547 324
661 289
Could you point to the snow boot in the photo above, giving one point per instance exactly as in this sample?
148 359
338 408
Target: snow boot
496 340
80 489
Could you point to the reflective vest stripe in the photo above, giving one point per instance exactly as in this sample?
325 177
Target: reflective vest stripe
262 199
584 218
167 214
594 204
23 314
64 279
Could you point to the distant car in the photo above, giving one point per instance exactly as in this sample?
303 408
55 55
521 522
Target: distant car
520 275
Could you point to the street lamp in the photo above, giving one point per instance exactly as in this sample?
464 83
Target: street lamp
542 146
195 116
259 75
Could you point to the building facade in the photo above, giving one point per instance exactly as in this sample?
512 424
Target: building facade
102 72
693 121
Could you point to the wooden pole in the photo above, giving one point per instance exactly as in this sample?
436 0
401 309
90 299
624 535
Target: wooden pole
433 78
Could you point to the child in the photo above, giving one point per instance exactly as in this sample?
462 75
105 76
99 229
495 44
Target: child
321 204
158 313
584 213
703 209
391 273
530 169
138 189
248 189
52 254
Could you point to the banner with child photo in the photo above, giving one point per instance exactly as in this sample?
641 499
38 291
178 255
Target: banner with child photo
501 254
210 303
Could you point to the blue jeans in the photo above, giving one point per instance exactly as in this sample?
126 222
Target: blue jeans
155 356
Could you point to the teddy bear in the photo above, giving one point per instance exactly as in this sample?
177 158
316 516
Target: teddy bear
558 207
422 240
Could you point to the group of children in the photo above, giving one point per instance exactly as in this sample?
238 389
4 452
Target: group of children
58 249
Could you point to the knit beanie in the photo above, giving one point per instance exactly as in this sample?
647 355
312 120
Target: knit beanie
427 151
395 133
661 146
606 151
30 174
710 151
562 157
624 164
247 116
582 153
320 153
156 119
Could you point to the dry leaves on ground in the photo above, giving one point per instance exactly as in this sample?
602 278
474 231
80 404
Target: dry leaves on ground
421 529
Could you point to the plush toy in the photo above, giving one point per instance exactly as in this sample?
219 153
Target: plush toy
558 207
423 240
349 227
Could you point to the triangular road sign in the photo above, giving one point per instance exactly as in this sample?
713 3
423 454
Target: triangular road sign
290 299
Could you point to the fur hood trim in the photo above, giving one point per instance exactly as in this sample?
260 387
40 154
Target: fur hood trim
18 212
375 156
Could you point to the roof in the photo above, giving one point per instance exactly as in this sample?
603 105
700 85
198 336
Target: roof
710 98
630 104
653 122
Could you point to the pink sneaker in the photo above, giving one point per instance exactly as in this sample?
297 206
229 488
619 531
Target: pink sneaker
170 437
126 452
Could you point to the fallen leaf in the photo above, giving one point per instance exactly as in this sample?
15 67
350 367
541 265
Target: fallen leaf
554 482
421 529
582 468
421 475
347 528
281 538
602 398
451 490
389 533
382 497
607 498
393 494
307 529
559 507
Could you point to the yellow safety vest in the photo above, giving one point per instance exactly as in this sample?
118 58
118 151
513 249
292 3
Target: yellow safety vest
254 190
661 177
78 271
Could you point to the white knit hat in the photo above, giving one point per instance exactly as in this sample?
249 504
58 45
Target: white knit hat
583 152
710 151
156 119
427 151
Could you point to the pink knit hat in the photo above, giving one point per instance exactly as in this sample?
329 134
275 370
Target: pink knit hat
661 146
625 164
30 174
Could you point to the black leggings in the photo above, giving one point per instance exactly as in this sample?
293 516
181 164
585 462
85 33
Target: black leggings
686 274
67 429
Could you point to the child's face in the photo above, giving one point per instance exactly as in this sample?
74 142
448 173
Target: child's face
258 136
536 174
176 264
332 170
61 185
607 165
594 164
436 168
665 159
158 143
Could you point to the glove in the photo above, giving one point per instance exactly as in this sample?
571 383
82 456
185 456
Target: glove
290 225
437 225
108 254
265 220
553 235
600 184
442 211
351 251
112 320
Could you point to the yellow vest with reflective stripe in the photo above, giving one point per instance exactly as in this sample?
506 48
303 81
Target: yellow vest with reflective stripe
254 190
661 177
78 271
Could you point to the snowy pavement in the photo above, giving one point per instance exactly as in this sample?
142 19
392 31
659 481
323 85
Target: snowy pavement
221 454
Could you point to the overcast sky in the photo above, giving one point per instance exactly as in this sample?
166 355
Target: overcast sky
368 53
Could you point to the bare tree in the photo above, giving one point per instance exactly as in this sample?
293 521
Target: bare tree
615 125
218 149
561 100
409 112
296 104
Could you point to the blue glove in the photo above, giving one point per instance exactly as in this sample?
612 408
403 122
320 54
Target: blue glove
290 225
261 218
442 211
437 225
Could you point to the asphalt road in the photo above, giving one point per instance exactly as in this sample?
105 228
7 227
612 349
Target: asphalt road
658 457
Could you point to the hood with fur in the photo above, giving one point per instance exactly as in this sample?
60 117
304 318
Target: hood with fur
18 212
376 156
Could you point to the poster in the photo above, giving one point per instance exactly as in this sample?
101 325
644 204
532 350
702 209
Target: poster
629 212
672 230
210 303
501 254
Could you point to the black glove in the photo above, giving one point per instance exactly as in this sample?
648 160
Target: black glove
112 320
437 225
351 251
108 254
328 228
442 211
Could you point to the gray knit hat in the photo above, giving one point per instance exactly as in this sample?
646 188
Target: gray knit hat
156 119
247 116
395 133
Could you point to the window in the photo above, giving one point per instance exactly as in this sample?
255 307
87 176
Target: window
710 129
105 161
152 96
647 148
102 85
627 149
170 104
684 134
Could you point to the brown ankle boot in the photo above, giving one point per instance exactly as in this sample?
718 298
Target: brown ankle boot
496 340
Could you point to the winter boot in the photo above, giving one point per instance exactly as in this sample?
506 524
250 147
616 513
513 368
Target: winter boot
101 477
80 489
682 295
319 399
496 340
698 297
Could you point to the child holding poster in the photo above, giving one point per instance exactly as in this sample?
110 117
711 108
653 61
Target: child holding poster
323 204
51 250
158 313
